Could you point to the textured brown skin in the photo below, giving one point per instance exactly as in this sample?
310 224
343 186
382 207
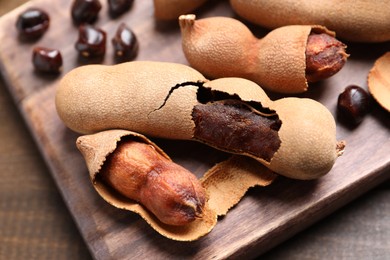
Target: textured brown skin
225 47
172 9
88 96
308 147
353 20
139 172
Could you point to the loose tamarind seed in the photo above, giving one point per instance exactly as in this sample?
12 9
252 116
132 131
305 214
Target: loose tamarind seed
353 104
225 47
47 60
85 11
141 173
125 44
172 9
352 20
91 41
174 101
32 23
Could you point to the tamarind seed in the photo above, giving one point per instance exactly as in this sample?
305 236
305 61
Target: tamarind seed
119 7
91 41
139 172
32 23
47 60
353 104
85 11
325 56
125 44
235 126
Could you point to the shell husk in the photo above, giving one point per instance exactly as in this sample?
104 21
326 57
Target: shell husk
228 181
172 9
227 176
309 147
225 47
281 58
379 81
360 21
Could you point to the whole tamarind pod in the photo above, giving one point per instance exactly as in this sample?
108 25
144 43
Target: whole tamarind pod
284 61
131 172
293 137
359 20
172 9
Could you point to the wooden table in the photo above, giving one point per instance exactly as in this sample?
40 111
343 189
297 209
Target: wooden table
35 223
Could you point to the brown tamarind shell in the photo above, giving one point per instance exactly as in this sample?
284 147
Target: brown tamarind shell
224 47
222 182
379 81
157 99
359 21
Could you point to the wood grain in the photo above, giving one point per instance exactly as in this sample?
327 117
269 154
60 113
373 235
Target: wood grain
264 218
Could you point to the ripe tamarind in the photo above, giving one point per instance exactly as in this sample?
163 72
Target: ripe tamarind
283 61
352 20
169 100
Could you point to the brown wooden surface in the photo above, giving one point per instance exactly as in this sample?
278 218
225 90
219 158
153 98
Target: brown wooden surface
35 222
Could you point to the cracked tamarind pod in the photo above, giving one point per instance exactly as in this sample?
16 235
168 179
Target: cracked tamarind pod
283 61
174 101
131 172
352 20
172 9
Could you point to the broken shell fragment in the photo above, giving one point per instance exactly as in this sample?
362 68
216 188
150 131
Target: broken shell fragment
379 81
171 101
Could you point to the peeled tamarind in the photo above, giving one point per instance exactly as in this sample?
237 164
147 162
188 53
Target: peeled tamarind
284 61
174 101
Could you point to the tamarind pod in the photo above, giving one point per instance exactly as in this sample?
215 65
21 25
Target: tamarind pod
359 21
147 99
225 47
226 183
98 148
172 9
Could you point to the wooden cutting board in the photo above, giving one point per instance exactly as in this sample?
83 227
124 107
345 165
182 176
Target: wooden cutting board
264 217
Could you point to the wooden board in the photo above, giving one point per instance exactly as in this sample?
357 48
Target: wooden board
265 216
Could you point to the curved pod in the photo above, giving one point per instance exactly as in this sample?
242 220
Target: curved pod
360 21
280 61
293 137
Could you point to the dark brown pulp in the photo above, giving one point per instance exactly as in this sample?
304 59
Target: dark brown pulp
325 56
237 127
